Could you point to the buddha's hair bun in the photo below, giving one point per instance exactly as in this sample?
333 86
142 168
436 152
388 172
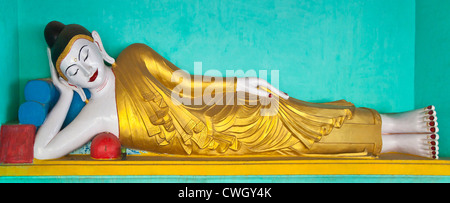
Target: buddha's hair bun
52 31
58 35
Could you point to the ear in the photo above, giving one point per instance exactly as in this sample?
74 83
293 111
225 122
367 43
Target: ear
98 42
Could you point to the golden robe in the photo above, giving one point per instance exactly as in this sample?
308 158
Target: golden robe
150 120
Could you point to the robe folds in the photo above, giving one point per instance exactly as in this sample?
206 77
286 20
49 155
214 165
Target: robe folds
151 119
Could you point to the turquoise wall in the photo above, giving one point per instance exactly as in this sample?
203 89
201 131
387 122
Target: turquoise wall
362 51
9 68
432 68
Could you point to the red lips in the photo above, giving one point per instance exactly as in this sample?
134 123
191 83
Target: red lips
92 79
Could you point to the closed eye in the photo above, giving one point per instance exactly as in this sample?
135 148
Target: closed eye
67 69
75 72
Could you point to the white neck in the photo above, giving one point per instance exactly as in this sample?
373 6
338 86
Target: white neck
106 86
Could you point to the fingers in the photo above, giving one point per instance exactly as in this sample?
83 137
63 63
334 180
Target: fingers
259 92
259 87
59 82
263 93
64 82
52 68
56 80
265 84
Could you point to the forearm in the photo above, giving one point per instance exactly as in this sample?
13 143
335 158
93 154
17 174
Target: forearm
193 86
53 122
205 84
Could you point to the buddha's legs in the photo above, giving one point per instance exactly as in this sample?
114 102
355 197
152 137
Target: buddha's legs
412 132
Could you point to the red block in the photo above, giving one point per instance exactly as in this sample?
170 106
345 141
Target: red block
16 143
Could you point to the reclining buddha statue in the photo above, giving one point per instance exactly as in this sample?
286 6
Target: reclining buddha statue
150 104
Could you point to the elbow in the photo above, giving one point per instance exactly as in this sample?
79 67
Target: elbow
44 154
38 153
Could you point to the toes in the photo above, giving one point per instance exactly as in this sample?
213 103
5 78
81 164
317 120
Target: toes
432 142
433 129
429 143
432 137
430 113
429 148
434 154
432 124
429 118
430 154
432 149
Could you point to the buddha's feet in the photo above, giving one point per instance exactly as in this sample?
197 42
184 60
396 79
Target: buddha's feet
412 132
422 120
425 145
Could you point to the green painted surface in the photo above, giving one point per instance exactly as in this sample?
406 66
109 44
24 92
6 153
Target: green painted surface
361 51
230 179
9 62
432 68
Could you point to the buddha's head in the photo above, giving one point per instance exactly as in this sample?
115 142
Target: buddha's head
77 54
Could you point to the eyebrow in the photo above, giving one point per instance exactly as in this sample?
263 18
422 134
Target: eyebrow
80 51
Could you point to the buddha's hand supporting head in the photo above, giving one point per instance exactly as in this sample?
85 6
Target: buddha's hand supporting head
62 85
77 55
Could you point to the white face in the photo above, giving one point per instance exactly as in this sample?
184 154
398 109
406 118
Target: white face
83 66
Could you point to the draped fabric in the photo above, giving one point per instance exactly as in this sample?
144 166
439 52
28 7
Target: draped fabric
240 124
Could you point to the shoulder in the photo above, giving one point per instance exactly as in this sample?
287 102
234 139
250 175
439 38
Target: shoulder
136 49
138 46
